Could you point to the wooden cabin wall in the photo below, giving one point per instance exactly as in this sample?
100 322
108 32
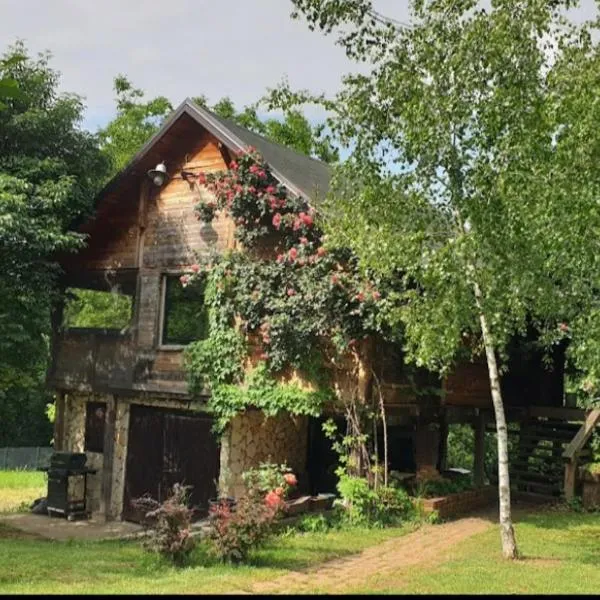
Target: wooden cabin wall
528 382
172 240
155 231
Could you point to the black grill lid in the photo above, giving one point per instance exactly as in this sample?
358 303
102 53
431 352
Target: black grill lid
68 460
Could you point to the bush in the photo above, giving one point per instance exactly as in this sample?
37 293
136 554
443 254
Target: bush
170 525
315 523
234 532
363 505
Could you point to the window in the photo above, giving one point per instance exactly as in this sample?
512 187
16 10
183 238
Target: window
95 309
95 416
185 317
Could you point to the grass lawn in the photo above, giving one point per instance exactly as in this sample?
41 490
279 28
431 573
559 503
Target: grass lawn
18 489
561 555
35 566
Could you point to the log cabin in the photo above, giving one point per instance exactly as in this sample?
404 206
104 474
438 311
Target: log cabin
122 395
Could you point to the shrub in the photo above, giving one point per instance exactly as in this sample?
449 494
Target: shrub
364 505
170 525
315 523
234 532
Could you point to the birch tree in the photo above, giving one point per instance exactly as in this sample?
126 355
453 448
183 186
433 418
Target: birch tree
472 173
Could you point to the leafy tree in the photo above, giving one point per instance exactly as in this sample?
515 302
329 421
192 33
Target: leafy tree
135 123
138 119
49 172
472 173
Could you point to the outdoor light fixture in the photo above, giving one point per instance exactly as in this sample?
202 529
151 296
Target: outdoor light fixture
158 174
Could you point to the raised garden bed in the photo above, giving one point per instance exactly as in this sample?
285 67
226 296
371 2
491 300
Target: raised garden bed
309 504
460 503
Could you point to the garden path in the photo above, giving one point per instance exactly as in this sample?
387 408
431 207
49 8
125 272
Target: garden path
428 546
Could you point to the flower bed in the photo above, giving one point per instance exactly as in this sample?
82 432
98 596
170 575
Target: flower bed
459 502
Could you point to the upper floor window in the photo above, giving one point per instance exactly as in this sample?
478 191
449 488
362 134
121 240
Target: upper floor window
184 315
97 309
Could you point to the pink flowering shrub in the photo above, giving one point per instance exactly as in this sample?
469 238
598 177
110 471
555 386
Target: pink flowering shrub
170 525
235 532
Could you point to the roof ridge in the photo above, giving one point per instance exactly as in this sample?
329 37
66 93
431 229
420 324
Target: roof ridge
260 135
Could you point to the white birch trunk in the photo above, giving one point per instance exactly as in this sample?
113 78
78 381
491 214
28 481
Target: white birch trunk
507 533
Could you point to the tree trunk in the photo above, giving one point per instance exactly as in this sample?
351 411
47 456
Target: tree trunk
507 533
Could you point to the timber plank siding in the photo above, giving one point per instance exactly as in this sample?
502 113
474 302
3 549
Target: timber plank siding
147 231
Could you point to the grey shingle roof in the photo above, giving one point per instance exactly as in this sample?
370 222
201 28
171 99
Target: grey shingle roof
302 175
309 176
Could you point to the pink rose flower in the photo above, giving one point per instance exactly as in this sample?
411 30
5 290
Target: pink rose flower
195 268
290 479
277 220
293 253
291 292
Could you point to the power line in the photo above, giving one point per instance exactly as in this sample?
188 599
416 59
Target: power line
377 16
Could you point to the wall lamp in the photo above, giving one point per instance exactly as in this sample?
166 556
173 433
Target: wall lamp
158 174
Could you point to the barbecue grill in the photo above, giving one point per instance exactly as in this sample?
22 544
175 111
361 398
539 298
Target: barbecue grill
67 484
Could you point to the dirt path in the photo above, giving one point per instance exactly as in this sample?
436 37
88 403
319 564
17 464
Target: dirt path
425 547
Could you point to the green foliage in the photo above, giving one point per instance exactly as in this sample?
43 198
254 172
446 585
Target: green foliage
50 170
135 123
268 477
443 486
364 505
472 172
138 119
262 391
594 444
316 523
91 308
293 130
295 311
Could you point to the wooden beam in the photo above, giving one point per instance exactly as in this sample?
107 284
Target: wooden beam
59 422
570 479
583 435
566 414
108 458
479 450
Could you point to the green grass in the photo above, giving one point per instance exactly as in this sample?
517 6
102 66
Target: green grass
561 555
19 488
36 566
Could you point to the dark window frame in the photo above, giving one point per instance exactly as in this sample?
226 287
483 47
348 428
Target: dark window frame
170 342
95 426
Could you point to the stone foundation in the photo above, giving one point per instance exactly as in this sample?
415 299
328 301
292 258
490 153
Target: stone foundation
252 438
461 502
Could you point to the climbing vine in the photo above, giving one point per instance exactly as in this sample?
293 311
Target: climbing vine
284 303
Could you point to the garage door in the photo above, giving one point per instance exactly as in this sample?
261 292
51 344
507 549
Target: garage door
167 447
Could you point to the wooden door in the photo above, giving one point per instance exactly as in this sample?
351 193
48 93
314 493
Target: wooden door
167 447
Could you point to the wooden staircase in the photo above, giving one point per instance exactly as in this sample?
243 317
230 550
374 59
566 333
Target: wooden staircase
537 465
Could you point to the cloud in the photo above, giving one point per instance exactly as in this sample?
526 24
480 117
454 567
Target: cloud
178 48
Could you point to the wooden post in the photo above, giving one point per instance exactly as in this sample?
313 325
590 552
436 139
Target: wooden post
570 479
59 422
479 426
108 458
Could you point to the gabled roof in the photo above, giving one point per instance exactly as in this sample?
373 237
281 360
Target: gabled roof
302 175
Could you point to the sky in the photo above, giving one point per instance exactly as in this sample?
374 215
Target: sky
181 48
